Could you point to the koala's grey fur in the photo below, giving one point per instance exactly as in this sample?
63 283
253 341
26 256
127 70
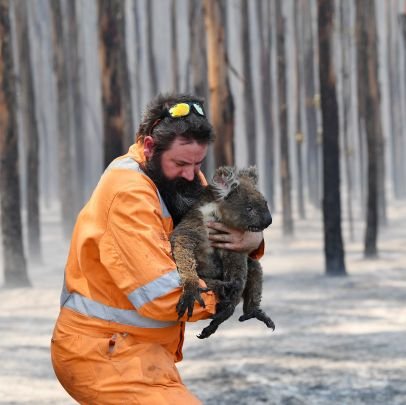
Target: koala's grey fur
233 199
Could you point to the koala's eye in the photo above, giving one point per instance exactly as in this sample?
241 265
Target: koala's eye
249 209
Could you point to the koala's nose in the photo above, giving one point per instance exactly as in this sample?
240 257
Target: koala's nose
268 219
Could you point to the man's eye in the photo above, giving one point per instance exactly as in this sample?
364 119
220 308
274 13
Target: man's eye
249 209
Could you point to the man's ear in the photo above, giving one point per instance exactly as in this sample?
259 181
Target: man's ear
149 146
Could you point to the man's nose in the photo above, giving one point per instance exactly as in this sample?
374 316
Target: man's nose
188 173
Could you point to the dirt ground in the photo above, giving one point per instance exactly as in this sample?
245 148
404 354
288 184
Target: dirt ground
337 340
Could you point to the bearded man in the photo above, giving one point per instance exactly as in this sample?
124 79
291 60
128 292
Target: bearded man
118 336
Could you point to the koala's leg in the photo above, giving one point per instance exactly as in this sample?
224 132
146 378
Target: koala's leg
252 295
235 271
222 289
183 253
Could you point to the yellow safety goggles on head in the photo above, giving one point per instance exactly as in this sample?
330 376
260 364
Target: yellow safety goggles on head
184 109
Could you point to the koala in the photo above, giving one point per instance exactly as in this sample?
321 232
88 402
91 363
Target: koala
233 199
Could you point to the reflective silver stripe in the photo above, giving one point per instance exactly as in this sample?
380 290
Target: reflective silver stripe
155 289
126 163
94 309
131 164
65 293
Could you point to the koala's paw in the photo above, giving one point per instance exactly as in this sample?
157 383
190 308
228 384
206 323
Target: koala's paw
207 331
187 301
260 315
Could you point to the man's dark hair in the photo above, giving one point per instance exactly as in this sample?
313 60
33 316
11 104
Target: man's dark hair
164 129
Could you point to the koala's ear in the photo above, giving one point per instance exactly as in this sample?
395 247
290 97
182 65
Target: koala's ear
225 180
251 173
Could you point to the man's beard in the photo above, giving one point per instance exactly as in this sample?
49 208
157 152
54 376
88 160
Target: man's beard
178 194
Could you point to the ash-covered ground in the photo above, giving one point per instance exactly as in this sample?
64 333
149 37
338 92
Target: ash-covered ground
337 341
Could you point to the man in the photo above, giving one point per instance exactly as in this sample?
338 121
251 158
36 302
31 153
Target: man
117 337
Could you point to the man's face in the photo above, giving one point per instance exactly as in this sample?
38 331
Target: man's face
175 173
183 159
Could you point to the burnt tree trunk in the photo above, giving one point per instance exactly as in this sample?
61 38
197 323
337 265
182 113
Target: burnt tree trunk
31 139
299 137
333 244
197 66
174 49
394 77
152 70
66 172
369 100
14 264
75 82
248 92
111 50
138 56
283 123
221 99
347 106
313 164
263 9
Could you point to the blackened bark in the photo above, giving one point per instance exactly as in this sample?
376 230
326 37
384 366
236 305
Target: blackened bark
110 26
75 84
174 48
221 99
138 56
248 93
197 51
347 105
299 132
153 75
283 123
263 13
66 172
14 264
369 101
197 66
31 139
333 244
313 160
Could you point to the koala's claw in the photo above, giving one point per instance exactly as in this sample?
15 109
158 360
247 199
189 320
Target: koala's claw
260 315
187 302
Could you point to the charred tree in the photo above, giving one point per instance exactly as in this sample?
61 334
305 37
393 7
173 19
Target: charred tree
299 136
369 102
313 146
115 80
333 244
77 105
396 116
346 102
152 70
263 14
31 139
197 66
138 56
248 92
221 99
14 264
283 123
174 49
66 172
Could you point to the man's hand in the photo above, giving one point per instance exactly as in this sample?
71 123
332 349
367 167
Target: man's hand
221 236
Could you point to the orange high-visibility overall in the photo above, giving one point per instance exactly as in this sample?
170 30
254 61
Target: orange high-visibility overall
117 337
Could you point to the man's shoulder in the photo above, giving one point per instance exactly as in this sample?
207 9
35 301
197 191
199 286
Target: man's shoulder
125 173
